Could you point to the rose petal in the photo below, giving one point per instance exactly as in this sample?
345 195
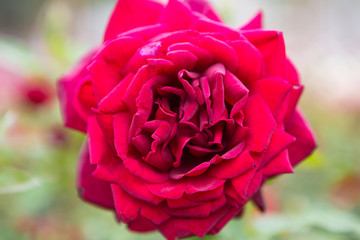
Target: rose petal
146 32
121 122
235 90
204 8
113 102
174 11
279 165
292 73
134 163
254 23
66 92
208 25
177 145
280 140
185 227
259 200
141 224
181 203
103 78
241 183
182 59
205 58
232 168
231 212
260 121
271 45
129 208
201 211
90 188
255 184
206 196
293 99
274 91
84 99
222 52
305 140
175 189
250 61
135 186
133 90
128 15
117 52
153 50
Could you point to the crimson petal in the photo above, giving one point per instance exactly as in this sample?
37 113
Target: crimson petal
128 15
91 189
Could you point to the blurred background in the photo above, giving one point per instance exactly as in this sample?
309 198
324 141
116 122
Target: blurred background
41 39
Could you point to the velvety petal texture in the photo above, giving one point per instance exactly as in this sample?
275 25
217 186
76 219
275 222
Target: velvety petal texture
186 118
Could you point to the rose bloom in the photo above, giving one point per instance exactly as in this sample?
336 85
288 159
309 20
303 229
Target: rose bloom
186 117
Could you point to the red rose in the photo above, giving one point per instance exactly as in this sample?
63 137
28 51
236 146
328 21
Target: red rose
186 117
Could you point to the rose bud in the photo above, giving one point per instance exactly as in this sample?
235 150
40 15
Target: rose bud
186 117
36 93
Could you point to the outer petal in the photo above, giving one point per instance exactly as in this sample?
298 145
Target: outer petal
173 12
129 14
305 140
279 165
90 188
272 46
260 121
204 8
176 189
129 208
66 91
254 23
185 227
